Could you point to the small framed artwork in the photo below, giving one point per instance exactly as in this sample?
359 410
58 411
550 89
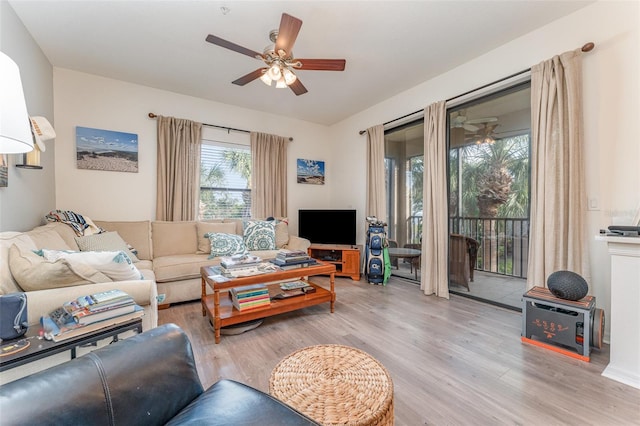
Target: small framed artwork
98 149
310 171
4 171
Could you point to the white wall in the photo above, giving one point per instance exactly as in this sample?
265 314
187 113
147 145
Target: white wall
92 101
611 113
30 194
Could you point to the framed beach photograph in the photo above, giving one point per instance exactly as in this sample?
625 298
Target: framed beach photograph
310 171
4 171
98 149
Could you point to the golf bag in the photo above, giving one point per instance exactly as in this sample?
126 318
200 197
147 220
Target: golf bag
376 246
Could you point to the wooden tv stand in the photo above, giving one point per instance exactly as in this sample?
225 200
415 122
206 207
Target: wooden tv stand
345 257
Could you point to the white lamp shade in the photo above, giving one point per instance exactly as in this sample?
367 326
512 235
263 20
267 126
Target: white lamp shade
15 128
280 84
274 72
289 77
266 79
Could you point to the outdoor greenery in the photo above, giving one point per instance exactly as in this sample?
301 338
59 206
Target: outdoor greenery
495 178
217 198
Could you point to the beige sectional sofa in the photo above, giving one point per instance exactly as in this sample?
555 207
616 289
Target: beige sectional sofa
57 236
169 256
175 251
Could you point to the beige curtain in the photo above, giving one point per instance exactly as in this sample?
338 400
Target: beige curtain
179 143
558 202
268 175
435 235
376 190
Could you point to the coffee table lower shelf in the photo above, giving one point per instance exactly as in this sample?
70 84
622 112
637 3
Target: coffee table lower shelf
221 312
230 316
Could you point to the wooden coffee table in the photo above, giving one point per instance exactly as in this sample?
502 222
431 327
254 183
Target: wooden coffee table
221 312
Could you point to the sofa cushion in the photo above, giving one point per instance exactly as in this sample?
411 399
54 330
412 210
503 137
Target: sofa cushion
8 284
226 244
171 238
54 236
106 241
33 272
180 267
114 264
227 402
204 244
239 225
135 233
282 232
259 235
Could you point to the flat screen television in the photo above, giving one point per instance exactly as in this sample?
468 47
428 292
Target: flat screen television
328 226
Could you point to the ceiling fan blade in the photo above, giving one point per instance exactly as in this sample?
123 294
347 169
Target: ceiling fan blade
298 88
232 46
322 64
471 127
287 33
249 77
482 120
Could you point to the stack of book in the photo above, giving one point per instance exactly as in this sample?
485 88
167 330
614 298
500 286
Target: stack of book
291 259
250 297
238 266
90 313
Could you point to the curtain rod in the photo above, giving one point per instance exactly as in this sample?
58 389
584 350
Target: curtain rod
228 129
588 47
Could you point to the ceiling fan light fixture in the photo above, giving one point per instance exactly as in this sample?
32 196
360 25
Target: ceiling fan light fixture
266 79
281 84
275 72
289 76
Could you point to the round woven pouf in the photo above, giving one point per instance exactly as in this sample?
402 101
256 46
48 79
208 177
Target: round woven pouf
335 385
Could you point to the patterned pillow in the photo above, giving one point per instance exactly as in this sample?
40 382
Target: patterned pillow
106 241
225 244
260 235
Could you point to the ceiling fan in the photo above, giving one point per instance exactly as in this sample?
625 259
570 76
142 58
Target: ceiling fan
484 134
278 58
461 121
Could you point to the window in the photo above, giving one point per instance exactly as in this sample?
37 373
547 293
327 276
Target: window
225 180
404 159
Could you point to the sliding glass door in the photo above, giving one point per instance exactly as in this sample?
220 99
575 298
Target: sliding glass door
404 162
489 174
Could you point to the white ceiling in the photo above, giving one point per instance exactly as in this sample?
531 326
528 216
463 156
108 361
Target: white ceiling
389 46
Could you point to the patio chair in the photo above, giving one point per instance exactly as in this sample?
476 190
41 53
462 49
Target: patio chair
463 252
415 262
394 260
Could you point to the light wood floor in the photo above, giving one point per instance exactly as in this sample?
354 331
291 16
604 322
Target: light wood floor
453 362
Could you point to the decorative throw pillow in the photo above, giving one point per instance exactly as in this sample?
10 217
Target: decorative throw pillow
114 264
106 241
205 228
33 272
259 235
225 244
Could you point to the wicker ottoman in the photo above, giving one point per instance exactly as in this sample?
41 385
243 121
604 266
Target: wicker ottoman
335 385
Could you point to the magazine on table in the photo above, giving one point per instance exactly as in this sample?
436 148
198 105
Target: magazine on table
65 326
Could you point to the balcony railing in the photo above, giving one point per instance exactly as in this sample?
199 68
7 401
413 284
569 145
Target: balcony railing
503 242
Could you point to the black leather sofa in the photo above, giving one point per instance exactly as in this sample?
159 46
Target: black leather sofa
148 379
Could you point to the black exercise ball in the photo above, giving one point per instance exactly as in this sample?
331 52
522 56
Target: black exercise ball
567 285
